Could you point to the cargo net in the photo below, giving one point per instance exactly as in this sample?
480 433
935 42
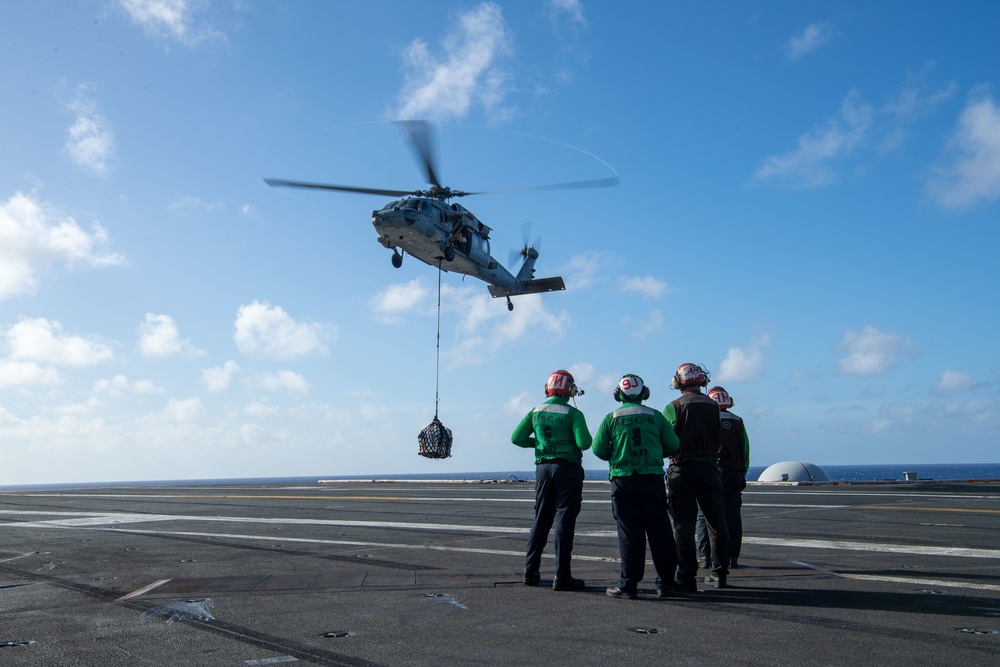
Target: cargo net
435 440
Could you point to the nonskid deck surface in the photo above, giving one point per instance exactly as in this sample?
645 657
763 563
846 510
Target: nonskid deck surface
596 575
388 573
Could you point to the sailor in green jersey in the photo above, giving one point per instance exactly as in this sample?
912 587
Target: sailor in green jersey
558 433
634 440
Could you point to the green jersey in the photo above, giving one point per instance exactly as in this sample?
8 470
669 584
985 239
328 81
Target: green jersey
635 439
556 430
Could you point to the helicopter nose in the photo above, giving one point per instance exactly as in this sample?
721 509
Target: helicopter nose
383 217
392 218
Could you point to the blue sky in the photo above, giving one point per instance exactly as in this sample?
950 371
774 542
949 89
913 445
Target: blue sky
808 206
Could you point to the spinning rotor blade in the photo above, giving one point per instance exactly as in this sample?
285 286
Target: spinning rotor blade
420 136
611 181
526 232
419 132
516 257
279 183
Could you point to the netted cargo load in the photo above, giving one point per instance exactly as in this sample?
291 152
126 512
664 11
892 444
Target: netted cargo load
435 440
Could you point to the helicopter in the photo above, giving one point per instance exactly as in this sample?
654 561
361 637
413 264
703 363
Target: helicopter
447 235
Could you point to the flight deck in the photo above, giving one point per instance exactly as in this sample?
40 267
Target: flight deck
429 573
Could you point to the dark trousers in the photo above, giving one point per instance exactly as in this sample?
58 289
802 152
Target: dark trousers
733 484
558 496
639 505
691 485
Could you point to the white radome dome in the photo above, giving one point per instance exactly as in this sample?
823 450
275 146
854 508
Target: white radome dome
794 471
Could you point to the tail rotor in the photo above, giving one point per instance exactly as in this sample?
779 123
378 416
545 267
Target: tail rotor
517 257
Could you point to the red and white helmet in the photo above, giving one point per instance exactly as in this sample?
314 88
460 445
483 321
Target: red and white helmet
690 375
721 396
561 384
631 388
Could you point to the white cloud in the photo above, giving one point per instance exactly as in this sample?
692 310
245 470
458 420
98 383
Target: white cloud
487 326
586 269
171 20
399 299
744 364
91 143
643 327
520 404
42 340
605 383
811 39
281 381
585 376
182 411
893 416
258 436
972 173
187 205
370 412
260 410
808 166
120 385
581 372
159 337
953 382
570 11
647 286
913 101
870 351
446 86
271 333
34 237
23 373
218 379
530 315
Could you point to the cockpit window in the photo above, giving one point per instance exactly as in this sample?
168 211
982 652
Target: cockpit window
411 203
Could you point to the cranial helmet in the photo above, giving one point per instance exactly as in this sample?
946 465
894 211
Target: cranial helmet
690 375
721 396
631 388
561 384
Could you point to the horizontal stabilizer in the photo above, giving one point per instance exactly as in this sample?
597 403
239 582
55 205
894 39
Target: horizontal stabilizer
531 287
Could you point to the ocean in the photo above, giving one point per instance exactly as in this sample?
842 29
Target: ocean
837 473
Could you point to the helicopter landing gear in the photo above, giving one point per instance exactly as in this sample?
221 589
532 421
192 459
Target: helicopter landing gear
510 304
397 259
449 253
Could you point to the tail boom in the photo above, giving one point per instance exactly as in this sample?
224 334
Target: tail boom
537 286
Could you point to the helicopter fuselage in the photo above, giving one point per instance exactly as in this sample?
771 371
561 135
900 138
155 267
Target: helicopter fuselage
448 236
444 235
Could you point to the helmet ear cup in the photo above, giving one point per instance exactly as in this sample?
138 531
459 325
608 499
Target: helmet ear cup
618 394
645 393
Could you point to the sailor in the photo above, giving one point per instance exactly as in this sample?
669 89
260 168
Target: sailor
734 462
693 478
635 439
558 433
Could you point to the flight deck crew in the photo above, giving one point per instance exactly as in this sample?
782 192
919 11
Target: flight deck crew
734 462
634 440
558 433
693 478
